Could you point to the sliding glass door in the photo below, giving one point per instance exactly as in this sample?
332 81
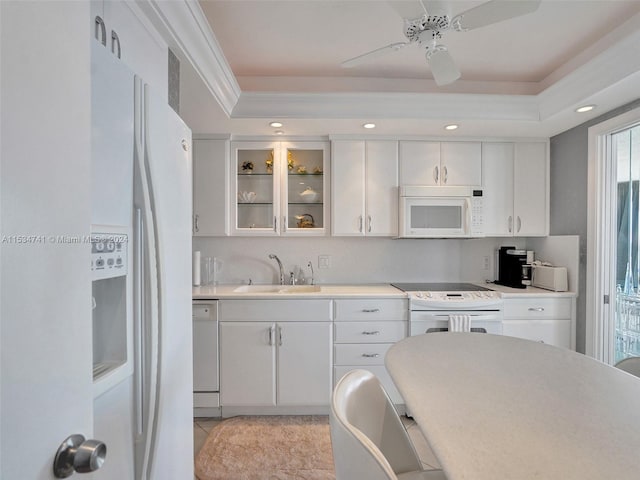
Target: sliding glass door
625 152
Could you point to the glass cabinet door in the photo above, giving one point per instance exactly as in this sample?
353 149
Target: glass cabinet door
304 187
279 188
256 188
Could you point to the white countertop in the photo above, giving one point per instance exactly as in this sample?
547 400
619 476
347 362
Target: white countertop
498 407
355 290
326 291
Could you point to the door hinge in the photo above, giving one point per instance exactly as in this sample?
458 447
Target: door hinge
606 299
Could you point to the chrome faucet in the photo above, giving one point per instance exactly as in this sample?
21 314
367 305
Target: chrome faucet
275 257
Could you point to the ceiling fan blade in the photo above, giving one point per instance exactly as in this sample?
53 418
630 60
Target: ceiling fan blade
408 9
443 68
493 12
352 62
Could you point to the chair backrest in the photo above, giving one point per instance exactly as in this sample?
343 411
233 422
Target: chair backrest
630 365
368 438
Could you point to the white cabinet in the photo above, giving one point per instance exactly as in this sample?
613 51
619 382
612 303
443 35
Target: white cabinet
515 189
279 188
541 319
275 363
440 163
364 199
365 328
210 192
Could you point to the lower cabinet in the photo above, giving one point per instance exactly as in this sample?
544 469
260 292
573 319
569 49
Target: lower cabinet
547 320
275 363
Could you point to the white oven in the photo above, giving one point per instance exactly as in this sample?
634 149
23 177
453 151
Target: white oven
432 306
489 321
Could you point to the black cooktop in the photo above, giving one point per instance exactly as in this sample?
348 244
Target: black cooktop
439 287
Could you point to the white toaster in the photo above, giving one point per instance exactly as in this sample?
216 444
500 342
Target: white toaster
550 278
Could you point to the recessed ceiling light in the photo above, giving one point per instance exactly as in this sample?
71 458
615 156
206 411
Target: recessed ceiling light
279 132
585 108
369 125
452 126
276 124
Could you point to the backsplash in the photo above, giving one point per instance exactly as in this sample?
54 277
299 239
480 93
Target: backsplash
355 260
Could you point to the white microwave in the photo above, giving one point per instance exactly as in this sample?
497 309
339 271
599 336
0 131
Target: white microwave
440 212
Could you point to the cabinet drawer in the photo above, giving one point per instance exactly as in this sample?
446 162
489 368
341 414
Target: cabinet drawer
527 309
357 354
553 332
371 309
275 310
370 332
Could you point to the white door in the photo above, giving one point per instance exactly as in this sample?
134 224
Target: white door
420 163
530 190
460 163
497 184
304 363
210 202
347 188
381 188
247 363
45 285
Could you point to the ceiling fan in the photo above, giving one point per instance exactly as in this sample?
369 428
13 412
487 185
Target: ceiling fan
425 20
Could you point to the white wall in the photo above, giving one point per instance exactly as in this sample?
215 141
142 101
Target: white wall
355 260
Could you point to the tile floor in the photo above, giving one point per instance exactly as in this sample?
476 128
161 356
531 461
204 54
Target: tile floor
202 427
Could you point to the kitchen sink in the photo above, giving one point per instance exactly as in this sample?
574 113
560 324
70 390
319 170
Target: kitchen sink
288 289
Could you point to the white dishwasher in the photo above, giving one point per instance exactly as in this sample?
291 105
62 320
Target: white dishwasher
206 384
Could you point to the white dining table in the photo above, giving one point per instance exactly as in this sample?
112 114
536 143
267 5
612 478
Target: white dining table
495 407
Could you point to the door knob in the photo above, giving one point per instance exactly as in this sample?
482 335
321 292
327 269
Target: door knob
76 454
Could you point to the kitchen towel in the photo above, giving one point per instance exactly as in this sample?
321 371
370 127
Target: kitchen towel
459 323
196 269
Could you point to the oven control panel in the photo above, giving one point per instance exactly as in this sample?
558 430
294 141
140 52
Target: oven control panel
465 300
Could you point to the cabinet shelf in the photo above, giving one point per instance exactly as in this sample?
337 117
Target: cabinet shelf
245 204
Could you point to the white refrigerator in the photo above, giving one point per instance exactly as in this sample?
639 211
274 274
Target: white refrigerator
141 188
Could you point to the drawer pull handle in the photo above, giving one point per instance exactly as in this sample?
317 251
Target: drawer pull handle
536 309
371 355
374 332
370 310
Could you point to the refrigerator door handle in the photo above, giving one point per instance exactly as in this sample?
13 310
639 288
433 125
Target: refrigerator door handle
150 300
139 321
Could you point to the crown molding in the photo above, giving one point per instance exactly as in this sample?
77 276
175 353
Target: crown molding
185 27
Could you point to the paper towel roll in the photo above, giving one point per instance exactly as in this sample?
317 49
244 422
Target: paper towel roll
196 269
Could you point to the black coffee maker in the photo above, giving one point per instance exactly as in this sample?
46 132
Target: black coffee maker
511 267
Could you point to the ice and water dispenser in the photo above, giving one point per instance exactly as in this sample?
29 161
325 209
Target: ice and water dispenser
109 269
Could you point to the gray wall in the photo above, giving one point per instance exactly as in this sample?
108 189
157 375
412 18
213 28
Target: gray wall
569 169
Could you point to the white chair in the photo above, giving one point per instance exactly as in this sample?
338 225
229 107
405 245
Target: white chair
630 365
368 438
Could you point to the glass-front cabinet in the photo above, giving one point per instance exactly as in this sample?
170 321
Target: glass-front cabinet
279 188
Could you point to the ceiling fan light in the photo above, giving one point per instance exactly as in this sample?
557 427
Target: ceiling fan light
585 108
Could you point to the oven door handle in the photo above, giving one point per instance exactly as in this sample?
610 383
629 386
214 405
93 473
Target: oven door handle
474 318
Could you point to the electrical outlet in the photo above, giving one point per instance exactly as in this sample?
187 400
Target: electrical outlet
324 261
485 262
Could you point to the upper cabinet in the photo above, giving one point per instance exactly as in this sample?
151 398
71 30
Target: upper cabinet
364 195
210 170
515 189
279 188
440 163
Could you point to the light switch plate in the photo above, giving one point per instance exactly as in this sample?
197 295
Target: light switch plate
324 261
